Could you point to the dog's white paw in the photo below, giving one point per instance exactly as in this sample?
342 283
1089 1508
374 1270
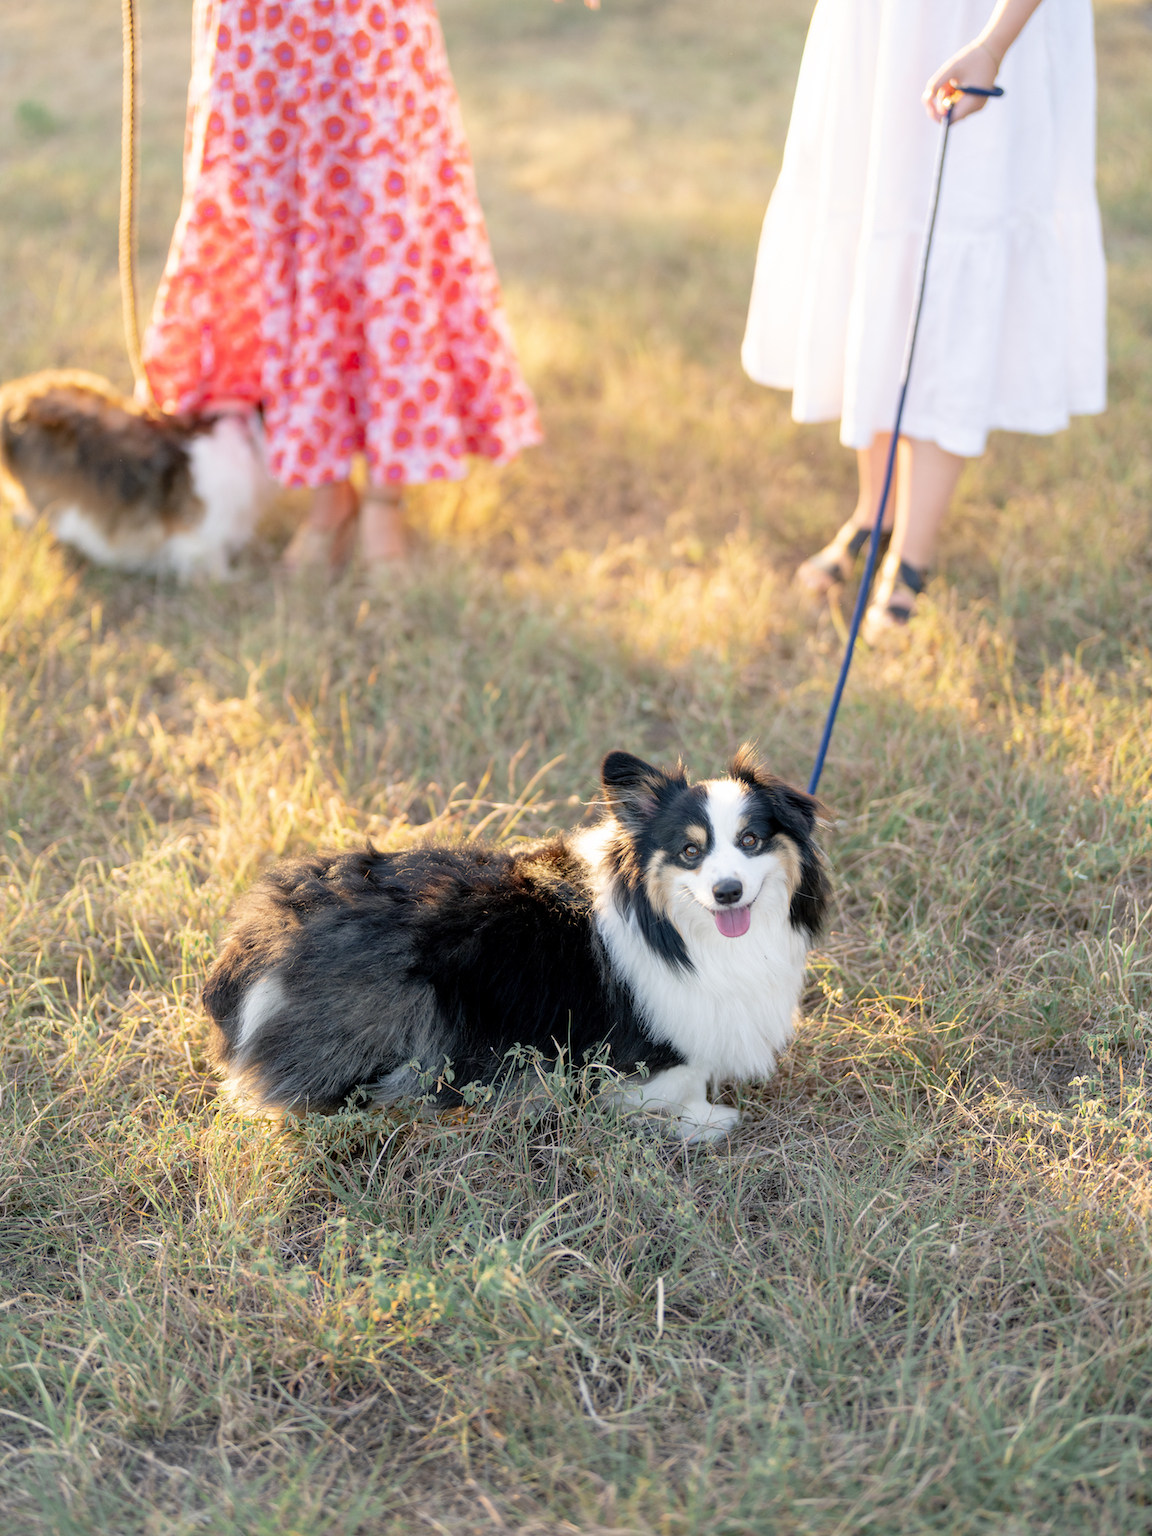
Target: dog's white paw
706 1122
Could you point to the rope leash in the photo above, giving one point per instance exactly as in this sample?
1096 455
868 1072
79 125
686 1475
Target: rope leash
905 373
129 138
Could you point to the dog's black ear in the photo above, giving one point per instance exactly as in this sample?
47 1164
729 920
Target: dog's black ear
792 802
805 807
633 787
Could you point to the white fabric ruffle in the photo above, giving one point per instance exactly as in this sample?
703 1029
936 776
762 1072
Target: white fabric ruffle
1013 330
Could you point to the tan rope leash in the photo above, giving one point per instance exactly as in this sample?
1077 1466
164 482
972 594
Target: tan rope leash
129 136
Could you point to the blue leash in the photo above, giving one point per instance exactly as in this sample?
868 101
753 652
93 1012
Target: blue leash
874 540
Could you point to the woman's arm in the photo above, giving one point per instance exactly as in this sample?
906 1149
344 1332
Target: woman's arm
979 63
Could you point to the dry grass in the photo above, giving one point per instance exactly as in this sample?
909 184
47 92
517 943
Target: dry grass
913 1295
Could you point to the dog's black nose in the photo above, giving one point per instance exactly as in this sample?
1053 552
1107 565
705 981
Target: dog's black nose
727 892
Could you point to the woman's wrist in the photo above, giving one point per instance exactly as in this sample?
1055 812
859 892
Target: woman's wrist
997 58
1004 27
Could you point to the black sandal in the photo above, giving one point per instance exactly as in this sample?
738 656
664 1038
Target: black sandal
833 565
894 604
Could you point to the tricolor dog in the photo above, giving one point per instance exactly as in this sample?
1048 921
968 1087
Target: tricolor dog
127 486
672 933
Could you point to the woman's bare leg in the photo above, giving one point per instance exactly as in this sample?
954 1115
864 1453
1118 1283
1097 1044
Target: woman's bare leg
383 534
833 564
871 465
325 535
925 483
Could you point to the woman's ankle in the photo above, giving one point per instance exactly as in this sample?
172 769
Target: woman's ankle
865 518
332 504
383 531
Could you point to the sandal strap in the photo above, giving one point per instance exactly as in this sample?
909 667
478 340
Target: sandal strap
909 582
857 542
908 576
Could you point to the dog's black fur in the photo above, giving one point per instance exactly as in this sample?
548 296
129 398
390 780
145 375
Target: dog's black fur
457 931
362 974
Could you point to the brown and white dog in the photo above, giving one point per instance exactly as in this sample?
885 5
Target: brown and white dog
127 486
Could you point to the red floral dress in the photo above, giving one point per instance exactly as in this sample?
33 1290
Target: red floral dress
330 261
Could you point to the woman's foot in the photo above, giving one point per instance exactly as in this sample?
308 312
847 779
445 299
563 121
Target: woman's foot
894 601
383 534
326 536
833 565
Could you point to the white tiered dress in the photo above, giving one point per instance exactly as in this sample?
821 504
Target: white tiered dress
1012 334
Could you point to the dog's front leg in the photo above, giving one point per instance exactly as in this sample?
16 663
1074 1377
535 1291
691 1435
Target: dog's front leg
681 1093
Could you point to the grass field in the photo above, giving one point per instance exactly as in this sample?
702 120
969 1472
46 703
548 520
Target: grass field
913 1293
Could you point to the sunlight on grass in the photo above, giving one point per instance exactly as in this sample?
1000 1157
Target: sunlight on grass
913 1293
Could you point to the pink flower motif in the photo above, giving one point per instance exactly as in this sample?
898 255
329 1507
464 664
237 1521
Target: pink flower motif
322 267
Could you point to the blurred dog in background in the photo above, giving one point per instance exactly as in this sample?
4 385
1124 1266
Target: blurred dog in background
127 486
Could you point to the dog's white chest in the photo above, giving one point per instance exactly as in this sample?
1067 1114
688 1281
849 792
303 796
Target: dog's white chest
732 1015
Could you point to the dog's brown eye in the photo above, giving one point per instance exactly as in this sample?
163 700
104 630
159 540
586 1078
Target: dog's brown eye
691 851
749 840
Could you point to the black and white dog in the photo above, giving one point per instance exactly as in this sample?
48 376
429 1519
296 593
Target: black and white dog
673 932
130 487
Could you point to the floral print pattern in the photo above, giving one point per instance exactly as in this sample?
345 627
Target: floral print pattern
330 261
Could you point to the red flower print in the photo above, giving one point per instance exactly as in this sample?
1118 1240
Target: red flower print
320 269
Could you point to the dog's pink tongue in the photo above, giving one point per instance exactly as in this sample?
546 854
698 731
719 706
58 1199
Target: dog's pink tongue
733 921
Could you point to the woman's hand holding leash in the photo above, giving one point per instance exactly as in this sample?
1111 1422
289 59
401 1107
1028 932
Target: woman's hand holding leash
976 66
966 80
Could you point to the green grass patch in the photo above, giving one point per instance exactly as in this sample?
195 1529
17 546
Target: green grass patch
912 1295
